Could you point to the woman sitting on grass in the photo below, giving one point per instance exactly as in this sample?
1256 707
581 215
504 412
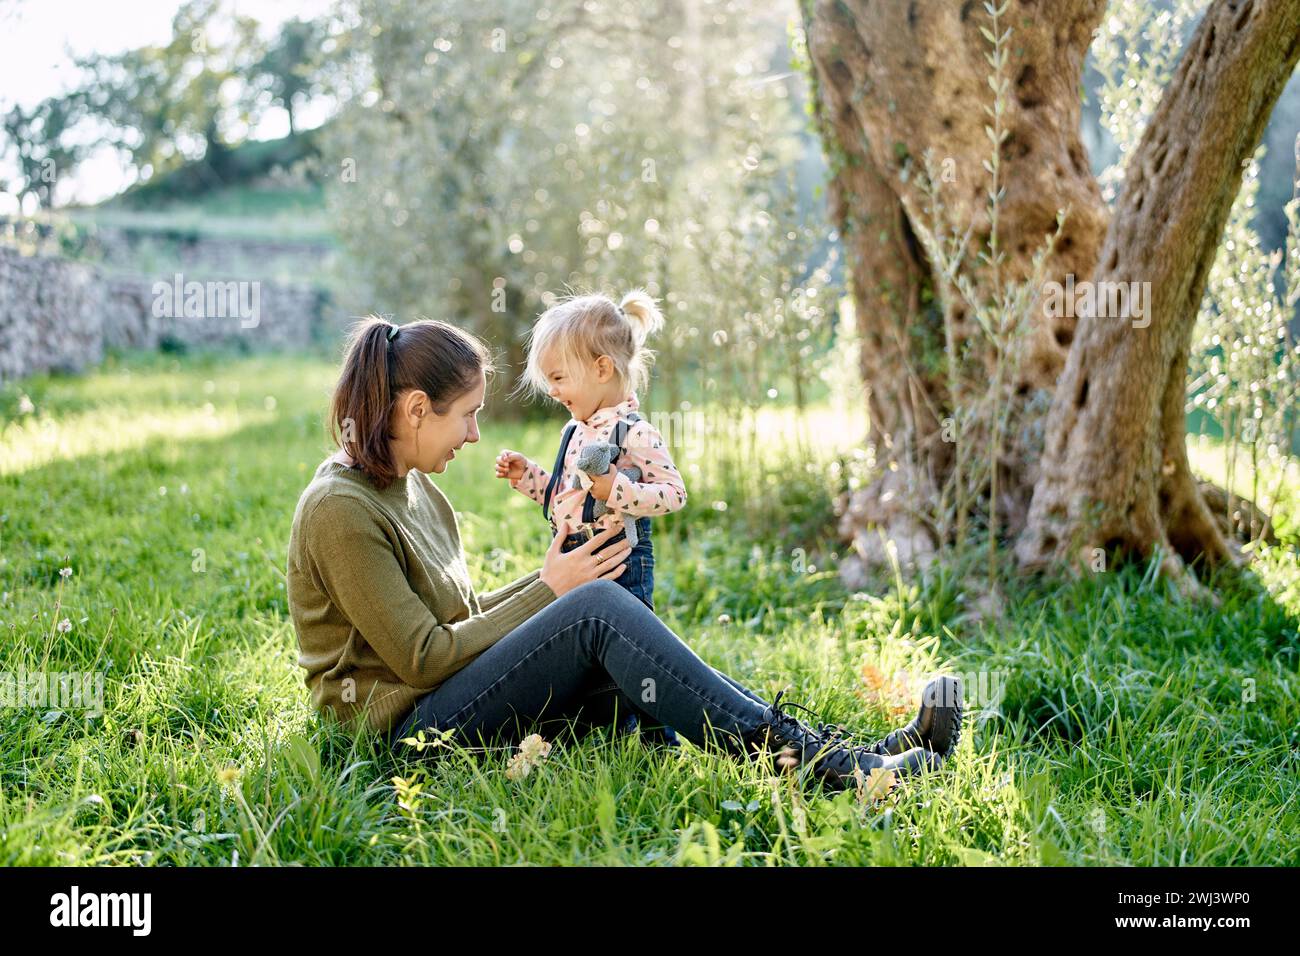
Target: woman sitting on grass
391 629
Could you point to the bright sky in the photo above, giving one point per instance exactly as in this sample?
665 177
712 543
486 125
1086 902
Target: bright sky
39 37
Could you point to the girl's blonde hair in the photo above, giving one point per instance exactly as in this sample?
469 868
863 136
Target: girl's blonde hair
581 328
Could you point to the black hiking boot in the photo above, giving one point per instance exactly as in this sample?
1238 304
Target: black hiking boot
937 725
833 760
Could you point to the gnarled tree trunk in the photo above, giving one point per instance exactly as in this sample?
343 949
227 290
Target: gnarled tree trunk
893 80
1115 473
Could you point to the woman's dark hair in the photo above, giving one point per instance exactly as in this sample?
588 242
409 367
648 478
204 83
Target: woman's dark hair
439 359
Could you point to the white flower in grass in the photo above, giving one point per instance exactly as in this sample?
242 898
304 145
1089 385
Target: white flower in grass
64 626
65 572
518 768
532 751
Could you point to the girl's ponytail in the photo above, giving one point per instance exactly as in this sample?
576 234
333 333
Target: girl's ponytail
642 313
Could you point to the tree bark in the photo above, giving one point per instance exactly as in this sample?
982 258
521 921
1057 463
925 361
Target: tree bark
893 80
1115 473
1096 454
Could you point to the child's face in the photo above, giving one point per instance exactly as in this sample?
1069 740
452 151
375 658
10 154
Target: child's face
582 389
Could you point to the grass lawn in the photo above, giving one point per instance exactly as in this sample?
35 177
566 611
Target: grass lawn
1111 726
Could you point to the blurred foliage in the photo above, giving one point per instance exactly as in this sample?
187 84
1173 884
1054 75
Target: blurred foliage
40 147
290 68
489 160
166 104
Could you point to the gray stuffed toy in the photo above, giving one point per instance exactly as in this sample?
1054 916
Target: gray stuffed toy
596 459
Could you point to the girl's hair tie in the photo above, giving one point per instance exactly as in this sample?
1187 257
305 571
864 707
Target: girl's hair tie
392 332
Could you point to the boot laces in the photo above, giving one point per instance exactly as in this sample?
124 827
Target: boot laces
825 742
825 731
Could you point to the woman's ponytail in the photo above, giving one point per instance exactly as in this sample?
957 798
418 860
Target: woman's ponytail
363 399
381 361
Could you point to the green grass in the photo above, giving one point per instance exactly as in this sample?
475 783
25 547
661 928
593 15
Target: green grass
1131 729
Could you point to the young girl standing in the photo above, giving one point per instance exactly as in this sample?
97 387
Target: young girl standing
588 354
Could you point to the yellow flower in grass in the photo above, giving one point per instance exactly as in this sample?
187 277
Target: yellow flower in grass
890 693
228 776
875 786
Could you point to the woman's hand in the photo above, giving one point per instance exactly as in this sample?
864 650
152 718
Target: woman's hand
563 571
511 464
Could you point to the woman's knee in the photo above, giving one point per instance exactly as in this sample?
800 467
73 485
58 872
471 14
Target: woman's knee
607 595
604 604
598 588
595 598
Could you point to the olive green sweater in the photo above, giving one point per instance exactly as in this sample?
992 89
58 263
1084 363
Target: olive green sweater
380 595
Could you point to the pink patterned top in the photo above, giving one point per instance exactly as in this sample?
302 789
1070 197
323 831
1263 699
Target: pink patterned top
659 491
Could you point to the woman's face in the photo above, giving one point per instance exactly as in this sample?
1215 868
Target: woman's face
441 435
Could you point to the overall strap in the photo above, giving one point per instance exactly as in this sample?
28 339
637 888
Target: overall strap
619 437
559 467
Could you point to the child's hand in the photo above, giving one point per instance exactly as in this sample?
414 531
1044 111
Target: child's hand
511 464
602 486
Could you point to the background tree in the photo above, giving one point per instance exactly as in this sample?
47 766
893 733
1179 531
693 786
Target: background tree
166 105
289 69
38 142
961 359
1115 471
490 160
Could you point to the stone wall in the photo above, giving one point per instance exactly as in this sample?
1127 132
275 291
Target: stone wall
58 315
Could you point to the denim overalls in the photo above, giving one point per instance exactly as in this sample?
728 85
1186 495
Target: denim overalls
639 578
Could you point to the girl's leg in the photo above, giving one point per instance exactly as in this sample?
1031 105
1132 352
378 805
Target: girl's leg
606 704
545 668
